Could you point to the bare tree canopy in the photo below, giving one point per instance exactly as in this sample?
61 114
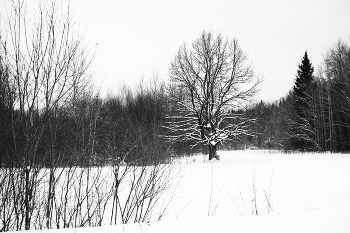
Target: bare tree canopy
47 68
208 81
45 56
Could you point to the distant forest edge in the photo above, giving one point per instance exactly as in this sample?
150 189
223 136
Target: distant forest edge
51 116
315 114
90 130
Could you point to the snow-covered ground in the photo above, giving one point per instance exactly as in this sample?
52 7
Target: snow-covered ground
252 191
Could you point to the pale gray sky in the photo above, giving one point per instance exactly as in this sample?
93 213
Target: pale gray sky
138 38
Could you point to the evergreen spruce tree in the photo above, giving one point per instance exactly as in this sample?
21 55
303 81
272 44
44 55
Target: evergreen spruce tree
302 126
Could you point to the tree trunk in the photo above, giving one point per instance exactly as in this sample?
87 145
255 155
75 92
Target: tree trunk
212 152
27 199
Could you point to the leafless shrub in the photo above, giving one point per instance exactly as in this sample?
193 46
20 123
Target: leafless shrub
254 200
142 187
81 198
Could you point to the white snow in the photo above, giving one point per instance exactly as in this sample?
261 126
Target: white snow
299 192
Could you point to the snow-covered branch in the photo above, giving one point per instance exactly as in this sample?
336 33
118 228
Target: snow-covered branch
209 81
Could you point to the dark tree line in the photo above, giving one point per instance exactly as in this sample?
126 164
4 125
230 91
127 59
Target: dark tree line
91 131
88 130
315 114
80 128
269 129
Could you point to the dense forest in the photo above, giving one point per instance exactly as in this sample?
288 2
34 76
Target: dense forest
90 130
51 115
314 115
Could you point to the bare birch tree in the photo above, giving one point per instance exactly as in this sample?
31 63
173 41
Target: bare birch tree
337 71
209 80
46 64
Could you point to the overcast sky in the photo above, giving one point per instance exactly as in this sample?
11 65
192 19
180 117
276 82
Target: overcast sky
139 38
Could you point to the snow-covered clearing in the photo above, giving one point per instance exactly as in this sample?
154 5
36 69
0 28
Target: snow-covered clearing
252 191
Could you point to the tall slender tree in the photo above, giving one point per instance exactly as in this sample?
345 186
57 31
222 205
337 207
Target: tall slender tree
302 127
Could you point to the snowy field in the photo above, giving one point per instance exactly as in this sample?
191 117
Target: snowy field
251 191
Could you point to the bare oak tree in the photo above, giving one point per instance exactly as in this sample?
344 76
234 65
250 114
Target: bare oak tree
209 81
